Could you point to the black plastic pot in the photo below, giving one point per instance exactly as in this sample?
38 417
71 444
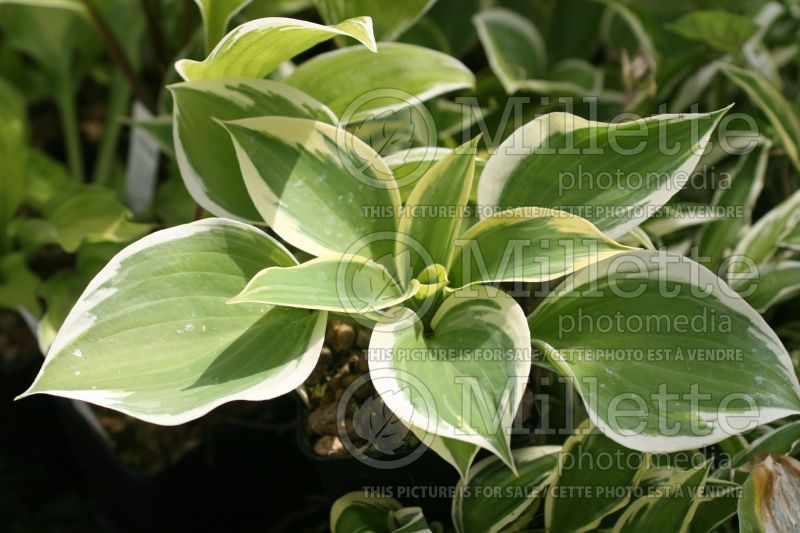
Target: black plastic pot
116 488
232 472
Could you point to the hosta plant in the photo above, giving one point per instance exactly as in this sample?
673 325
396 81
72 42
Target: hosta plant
664 355
544 293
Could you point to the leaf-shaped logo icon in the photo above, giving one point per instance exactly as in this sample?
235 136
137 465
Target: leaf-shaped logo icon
374 422
366 288
388 131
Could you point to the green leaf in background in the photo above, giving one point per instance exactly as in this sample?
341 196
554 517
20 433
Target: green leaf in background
582 492
492 497
720 29
761 241
13 156
528 244
446 186
203 148
780 112
389 19
18 285
516 52
92 214
173 204
613 175
217 14
572 28
316 185
47 31
357 84
770 496
776 283
47 178
346 284
719 237
256 48
665 356
451 360
275 8
782 440
153 337
670 509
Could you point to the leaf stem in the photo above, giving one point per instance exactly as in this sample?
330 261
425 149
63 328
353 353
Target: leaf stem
152 13
117 104
118 56
65 101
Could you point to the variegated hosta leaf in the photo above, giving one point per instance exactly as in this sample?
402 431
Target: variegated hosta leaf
583 491
741 192
780 112
669 509
528 244
256 48
492 497
458 453
771 496
205 155
762 240
516 52
390 19
721 29
409 166
775 283
152 335
790 241
639 27
357 512
665 356
346 284
216 16
317 186
358 84
639 238
514 47
613 175
436 208
473 365
677 216
411 520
